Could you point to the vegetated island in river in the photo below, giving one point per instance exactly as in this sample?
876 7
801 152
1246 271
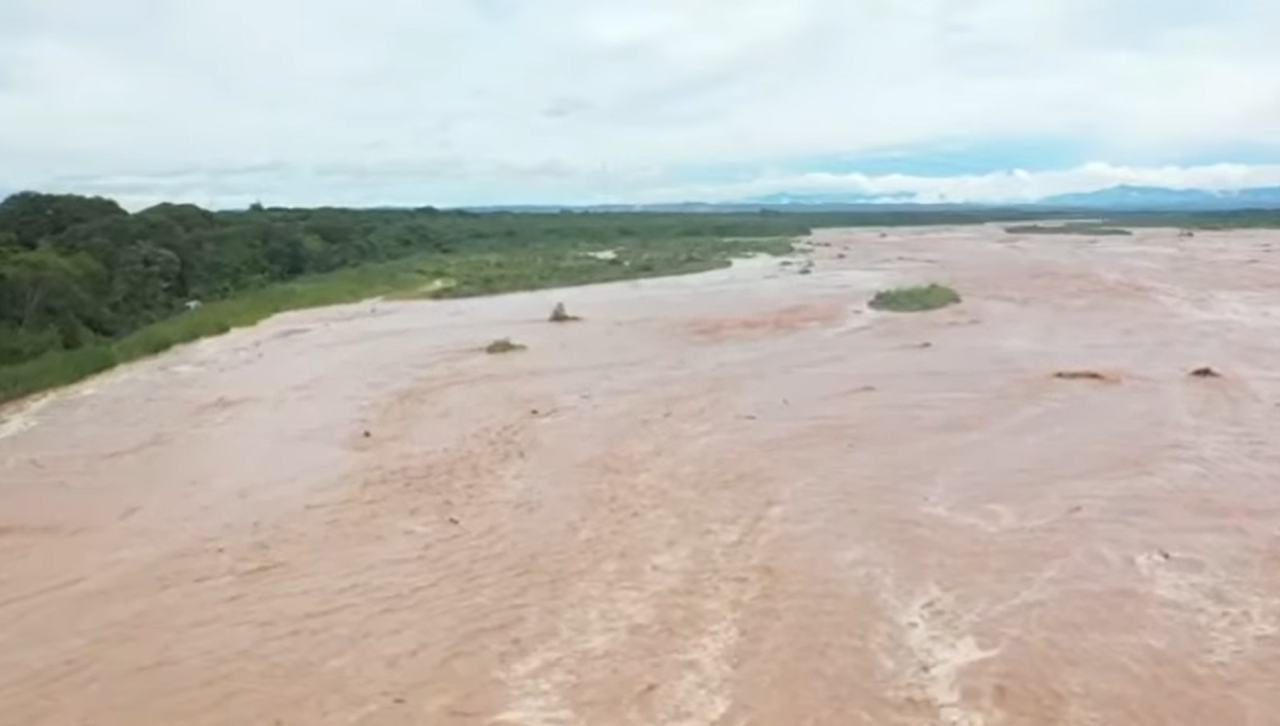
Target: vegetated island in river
86 285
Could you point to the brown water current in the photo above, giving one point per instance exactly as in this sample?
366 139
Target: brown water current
734 498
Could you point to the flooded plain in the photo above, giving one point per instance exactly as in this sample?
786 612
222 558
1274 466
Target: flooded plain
734 498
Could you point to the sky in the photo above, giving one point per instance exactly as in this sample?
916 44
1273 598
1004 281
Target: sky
466 102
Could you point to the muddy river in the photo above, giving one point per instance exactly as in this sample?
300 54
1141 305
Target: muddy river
728 499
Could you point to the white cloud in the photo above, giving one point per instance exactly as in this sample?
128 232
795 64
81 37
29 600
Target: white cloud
457 101
1004 186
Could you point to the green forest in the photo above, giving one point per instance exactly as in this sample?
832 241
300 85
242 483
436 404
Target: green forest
74 270
85 284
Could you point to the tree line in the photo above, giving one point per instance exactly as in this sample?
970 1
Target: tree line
76 270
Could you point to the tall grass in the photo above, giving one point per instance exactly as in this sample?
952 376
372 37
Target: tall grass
62 367
456 276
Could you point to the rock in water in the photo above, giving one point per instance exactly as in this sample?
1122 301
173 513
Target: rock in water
560 315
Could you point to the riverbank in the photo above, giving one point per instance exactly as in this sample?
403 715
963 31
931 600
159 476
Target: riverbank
424 276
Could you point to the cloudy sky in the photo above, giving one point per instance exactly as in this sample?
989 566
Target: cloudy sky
223 102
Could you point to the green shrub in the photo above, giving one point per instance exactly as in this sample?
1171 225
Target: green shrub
915 299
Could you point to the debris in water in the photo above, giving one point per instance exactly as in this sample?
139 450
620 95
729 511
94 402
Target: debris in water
502 345
1084 376
560 315
1205 372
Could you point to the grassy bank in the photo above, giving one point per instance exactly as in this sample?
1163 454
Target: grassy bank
424 276
453 276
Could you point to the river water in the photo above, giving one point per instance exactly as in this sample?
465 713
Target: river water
734 498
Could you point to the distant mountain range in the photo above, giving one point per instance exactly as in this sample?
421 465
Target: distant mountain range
1128 197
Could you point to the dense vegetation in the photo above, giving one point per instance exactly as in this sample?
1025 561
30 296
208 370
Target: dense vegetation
79 270
915 299
85 285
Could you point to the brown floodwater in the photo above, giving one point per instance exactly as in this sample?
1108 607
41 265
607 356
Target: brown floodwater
733 498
